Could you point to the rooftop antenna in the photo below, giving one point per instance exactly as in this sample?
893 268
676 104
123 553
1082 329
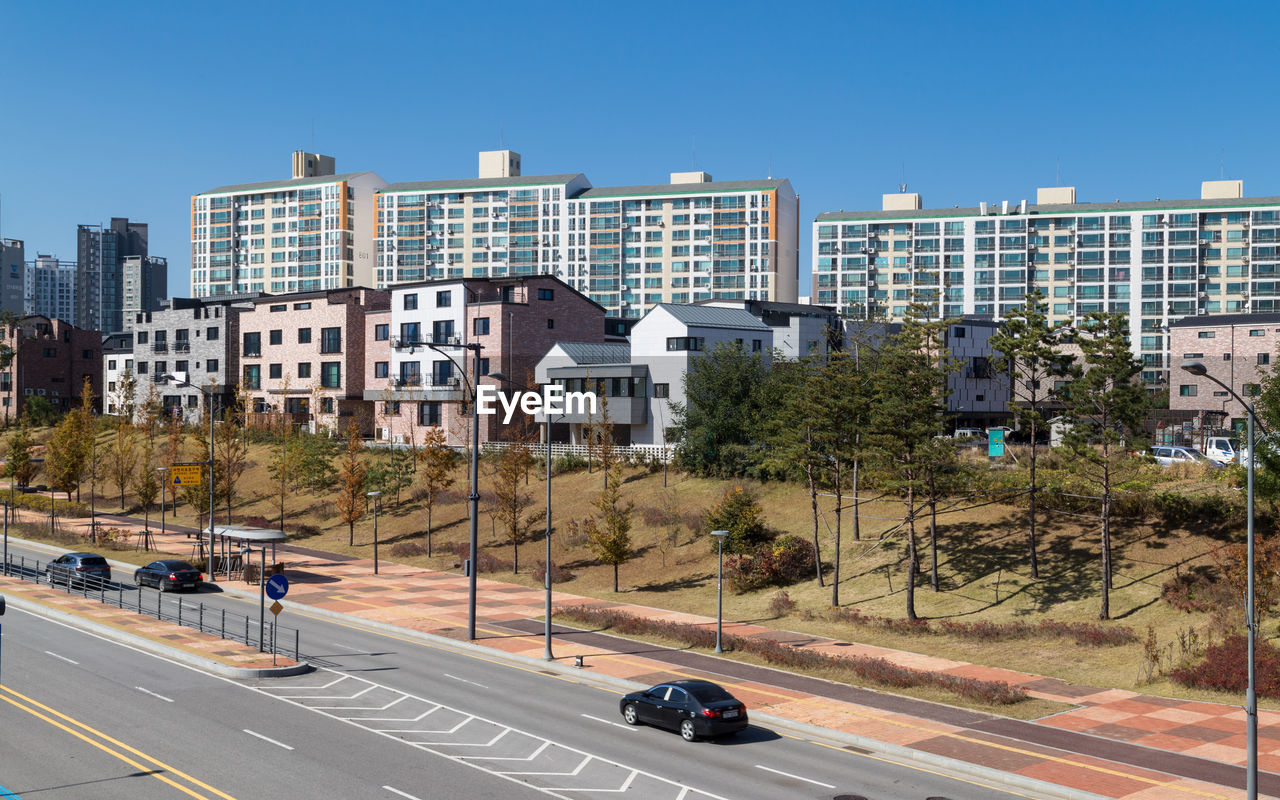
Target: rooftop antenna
771 166
1057 175
1222 163
902 187
693 152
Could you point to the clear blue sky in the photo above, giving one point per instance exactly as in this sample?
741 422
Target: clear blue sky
128 109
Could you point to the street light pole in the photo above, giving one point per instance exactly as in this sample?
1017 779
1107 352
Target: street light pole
1250 698
375 495
164 473
474 497
719 585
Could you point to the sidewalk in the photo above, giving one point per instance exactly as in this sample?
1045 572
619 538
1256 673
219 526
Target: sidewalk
1116 743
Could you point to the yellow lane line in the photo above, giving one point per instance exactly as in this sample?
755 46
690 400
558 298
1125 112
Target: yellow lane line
144 768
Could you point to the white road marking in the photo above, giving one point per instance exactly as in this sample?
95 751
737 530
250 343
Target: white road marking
153 694
464 680
64 658
797 777
394 790
610 722
267 739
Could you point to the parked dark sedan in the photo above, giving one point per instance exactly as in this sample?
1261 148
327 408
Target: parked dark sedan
81 568
170 574
695 708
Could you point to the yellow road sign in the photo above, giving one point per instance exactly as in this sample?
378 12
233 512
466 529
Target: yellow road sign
275 608
186 474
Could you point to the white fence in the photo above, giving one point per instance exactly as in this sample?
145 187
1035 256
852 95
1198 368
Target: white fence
632 452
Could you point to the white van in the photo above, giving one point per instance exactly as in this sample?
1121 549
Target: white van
1221 449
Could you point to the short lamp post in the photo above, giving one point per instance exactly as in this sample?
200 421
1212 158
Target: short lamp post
1250 698
719 585
245 553
375 495
164 473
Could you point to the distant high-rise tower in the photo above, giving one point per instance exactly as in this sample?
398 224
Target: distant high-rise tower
100 257
13 270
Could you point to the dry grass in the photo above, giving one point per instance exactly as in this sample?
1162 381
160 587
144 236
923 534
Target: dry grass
982 563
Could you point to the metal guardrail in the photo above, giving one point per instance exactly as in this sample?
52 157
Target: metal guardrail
188 614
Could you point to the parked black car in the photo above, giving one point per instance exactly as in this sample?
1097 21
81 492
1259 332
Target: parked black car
81 568
168 574
695 708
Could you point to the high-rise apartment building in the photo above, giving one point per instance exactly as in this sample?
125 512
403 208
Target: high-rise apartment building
13 269
628 248
308 233
101 252
52 289
144 286
1159 260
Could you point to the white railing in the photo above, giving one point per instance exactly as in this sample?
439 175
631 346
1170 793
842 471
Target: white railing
632 452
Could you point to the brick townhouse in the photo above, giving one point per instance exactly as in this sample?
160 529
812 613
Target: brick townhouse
516 320
303 355
1237 349
52 360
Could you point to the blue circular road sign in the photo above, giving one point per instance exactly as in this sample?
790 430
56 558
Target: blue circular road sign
277 587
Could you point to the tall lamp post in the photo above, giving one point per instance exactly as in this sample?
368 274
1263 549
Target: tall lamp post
208 396
375 495
546 564
1250 698
473 499
719 585
164 473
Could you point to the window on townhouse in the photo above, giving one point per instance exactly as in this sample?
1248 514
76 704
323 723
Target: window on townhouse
381 333
429 413
685 343
391 408
442 330
304 336
252 376
50 352
381 369
326 405
410 302
304 370
757 345
252 345
444 299
484 366
410 332
331 374
211 365
211 334
480 326
331 340
275 371
86 354
1206 334
1188 390
142 337
960 332
546 294
111 363
180 366
1257 332
662 390
1264 359
551 323
276 337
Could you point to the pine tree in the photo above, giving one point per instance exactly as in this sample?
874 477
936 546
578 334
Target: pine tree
351 500
1105 407
1028 354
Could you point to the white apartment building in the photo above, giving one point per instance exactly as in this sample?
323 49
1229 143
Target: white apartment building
628 248
1159 261
311 232
51 289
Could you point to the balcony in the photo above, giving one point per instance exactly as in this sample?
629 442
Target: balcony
160 347
182 347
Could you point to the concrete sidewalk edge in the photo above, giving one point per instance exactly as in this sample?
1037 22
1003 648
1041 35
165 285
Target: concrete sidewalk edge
154 648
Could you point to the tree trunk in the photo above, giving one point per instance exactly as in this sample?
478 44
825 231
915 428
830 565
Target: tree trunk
933 535
835 574
813 504
1031 526
430 502
857 528
911 554
351 534
1105 612
615 578
515 557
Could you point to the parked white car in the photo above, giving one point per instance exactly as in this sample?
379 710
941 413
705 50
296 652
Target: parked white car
1167 456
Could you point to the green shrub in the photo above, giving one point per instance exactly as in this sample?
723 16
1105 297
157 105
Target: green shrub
40 502
780 563
739 512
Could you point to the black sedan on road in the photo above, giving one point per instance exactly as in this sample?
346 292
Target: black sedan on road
82 568
695 708
168 574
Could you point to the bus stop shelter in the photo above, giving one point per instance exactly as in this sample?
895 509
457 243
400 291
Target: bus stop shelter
229 540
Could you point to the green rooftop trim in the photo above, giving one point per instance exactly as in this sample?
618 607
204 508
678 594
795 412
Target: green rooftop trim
284 185
1048 210
480 184
681 189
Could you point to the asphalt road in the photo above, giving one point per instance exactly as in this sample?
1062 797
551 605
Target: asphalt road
384 711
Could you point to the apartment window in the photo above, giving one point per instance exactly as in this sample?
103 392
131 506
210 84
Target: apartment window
330 340
410 332
304 336
1264 359
381 332
1251 390
252 376
551 323
1226 356
326 405
662 390
1206 334
757 345
429 413
546 294
1187 390
211 365
192 401
1257 332
1186 355
275 371
50 352
480 326
304 369
331 374
211 334
959 333
111 363
142 337
685 343
381 369
275 337
252 345
278 308
410 302
301 306
180 366
484 366
391 408
444 299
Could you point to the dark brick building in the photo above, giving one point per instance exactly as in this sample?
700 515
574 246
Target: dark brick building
52 359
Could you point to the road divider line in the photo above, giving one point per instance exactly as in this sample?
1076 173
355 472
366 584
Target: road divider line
63 658
464 680
267 739
797 777
153 694
609 722
394 790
